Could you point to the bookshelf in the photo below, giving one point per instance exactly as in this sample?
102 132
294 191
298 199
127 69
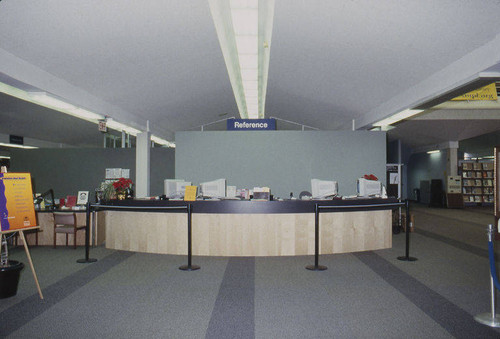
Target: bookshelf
477 182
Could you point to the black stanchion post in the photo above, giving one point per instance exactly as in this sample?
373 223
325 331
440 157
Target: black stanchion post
407 256
189 267
316 266
87 238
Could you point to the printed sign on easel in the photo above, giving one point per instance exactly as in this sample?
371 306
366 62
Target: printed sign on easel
17 210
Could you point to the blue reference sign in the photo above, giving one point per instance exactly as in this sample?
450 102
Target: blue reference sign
251 124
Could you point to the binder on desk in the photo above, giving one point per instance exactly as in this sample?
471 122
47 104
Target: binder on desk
190 193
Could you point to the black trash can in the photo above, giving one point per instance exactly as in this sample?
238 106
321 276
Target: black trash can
9 278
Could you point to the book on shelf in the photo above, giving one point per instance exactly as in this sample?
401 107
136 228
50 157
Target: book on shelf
488 166
477 190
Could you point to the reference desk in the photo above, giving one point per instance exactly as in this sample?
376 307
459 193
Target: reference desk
249 228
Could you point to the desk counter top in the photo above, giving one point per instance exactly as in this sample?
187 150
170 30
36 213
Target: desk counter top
252 207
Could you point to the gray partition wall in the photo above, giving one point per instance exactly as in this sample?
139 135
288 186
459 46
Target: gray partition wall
69 170
285 161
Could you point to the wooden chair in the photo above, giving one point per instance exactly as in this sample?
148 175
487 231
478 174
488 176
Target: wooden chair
66 223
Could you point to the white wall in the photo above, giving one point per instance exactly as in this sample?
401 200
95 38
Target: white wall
285 161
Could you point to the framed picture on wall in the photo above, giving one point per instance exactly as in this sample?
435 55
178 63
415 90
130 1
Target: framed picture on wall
83 197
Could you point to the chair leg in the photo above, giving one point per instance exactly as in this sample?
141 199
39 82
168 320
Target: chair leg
66 239
74 240
55 239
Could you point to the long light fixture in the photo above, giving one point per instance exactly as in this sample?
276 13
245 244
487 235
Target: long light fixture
434 151
49 101
245 19
118 126
244 29
17 146
405 114
162 142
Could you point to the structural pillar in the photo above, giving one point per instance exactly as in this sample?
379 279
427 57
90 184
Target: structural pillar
452 159
142 165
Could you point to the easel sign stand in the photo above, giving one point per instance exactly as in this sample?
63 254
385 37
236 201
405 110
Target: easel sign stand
17 211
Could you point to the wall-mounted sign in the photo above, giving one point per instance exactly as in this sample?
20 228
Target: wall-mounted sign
16 139
251 124
488 92
102 126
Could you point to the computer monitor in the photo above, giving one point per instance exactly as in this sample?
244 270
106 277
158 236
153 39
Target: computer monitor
214 189
369 188
322 189
175 188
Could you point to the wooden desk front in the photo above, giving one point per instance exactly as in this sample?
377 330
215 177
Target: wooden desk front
246 228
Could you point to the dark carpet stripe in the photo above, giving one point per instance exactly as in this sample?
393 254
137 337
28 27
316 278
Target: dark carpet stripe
19 314
455 320
233 314
448 218
482 252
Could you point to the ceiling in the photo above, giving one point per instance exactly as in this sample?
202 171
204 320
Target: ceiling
331 62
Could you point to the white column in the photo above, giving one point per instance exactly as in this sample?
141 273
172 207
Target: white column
452 159
142 164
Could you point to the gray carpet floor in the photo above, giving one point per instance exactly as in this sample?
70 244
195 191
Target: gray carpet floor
361 295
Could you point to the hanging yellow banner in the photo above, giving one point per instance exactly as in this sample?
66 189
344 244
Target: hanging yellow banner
488 92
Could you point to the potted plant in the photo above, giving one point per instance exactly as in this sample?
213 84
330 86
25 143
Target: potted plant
123 188
105 191
10 271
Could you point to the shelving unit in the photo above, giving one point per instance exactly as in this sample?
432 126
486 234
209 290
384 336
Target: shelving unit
477 182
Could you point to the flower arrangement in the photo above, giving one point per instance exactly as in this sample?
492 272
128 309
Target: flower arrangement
121 189
122 184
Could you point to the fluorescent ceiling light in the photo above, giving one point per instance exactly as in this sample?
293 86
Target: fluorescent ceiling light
244 28
50 101
163 142
86 115
433 152
118 126
4 157
47 100
405 114
17 146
